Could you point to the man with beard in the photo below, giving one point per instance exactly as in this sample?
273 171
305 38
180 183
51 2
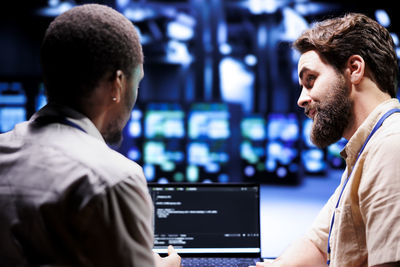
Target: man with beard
348 77
66 198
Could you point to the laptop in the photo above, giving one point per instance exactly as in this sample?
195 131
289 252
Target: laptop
210 224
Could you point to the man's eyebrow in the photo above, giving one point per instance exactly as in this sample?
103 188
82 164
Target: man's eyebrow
304 69
302 72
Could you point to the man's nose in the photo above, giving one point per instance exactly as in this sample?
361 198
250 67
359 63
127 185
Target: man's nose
304 98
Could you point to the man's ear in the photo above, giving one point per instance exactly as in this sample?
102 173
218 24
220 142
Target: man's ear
356 67
118 86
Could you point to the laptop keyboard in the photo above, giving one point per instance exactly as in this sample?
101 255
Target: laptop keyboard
216 262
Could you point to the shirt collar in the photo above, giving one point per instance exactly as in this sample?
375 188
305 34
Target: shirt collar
350 151
70 114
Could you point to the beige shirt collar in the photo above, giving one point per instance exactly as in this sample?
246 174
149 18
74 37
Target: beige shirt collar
350 151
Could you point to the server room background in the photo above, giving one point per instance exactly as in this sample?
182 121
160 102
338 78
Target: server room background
218 99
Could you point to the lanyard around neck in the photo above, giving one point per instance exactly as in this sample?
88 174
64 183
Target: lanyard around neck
72 124
379 124
44 120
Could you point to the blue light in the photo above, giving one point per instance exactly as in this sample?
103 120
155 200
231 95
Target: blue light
307 126
154 153
10 116
41 100
149 172
192 173
136 114
179 31
134 128
122 3
134 154
225 49
177 52
283 127
223 178
249 171
270 165
294 24
236 82
163 180
281 172
250 60
137 14
209 121
198 153
55 8
164 122
212 167
382 17
395 38
262 6
253 128
313 160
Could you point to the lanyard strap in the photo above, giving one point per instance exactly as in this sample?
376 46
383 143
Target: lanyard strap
379 124
58 119
72 124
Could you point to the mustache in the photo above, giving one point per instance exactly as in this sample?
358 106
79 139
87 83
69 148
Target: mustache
311 108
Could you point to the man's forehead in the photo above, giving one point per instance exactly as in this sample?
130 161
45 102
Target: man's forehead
309 60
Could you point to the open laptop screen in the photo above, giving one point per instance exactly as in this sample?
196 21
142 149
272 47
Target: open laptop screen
206 218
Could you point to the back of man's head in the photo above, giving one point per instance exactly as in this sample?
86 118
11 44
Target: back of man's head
83 46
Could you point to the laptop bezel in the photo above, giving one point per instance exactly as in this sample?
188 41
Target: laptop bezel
219 255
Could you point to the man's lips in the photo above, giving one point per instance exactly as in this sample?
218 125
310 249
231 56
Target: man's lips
310 113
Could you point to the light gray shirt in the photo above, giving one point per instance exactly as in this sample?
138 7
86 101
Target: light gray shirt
66 198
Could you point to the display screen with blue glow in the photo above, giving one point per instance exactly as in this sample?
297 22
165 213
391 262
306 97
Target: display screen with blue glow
41 99
283 127
253 128
252 147
334 158
307 125
208 147
207 161
132 142
209 121
164 156
282 147
10 116
164 159
313 158
135 123
164 120
12 105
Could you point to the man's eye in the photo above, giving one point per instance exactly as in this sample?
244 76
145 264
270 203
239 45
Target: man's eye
310 78
310 81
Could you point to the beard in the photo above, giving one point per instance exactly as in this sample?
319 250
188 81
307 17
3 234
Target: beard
114 136
333 116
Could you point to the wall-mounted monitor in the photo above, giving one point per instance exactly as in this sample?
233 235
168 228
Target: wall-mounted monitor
253 146
282 148
164 120
208 147
164 157
12 105
313 158
209 121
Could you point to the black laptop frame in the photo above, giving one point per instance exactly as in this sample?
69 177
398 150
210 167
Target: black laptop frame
256 255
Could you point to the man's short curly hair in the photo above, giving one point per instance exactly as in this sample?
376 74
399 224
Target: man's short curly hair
83 46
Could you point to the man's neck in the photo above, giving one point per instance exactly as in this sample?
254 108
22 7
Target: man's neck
365 97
